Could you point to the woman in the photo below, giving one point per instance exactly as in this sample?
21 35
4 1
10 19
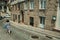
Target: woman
7 26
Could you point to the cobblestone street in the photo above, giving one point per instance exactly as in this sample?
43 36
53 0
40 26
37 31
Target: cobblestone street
29 19
21 34
16 34
4 35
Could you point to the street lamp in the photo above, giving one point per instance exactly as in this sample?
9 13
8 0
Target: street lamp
54 18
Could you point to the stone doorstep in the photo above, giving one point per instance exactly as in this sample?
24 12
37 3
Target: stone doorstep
49 33
57 29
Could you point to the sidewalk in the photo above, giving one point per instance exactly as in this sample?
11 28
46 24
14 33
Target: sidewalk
4 35
36 31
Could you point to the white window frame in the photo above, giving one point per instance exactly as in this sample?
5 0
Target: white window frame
42 6
25 5
59 4
31 4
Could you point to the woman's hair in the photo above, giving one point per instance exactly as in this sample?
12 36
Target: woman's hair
7 20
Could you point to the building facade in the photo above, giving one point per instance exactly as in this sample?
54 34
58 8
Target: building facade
3 7
37 13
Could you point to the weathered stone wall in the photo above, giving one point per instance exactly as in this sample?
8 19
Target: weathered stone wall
51 10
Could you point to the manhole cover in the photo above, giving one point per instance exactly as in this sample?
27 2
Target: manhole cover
35 37
49 37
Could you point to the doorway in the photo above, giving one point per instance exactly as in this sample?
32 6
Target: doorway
22 16
18 18
31 21
42 22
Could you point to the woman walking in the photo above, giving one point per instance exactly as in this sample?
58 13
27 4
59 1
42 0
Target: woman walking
7 26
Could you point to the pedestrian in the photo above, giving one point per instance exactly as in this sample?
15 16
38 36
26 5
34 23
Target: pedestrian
7 26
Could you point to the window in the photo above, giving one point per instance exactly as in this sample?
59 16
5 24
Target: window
31 21
5 8
15 6
18 18
19 6
31 4
0 7
25 5
42 4
42 20
14 17
59 4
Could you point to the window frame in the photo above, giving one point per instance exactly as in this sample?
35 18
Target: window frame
59 4
42 6
42 20
25 5
31 5
18 6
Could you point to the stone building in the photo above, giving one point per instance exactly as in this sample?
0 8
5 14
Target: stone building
36 13
3 7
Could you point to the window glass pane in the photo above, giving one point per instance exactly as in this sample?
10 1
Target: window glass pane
32 4
59 4
15 6
25 5
31 21
42 20
15 17
18 5
42 4
18 18
0 7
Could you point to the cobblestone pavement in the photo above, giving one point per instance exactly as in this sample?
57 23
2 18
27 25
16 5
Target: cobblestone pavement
4 35
18 34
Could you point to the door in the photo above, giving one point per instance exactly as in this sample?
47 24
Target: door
18 18
22 14
31 21
22 17
42 22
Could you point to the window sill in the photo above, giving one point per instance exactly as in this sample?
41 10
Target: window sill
31 9
25 9
42 9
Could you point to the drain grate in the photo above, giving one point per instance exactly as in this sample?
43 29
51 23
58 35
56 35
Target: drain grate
49 37
34 37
